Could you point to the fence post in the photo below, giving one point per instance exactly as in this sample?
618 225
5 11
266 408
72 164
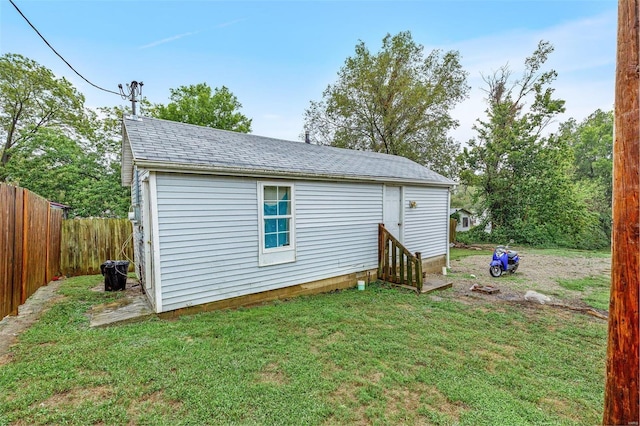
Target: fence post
47 278
380 251
419 277
453 224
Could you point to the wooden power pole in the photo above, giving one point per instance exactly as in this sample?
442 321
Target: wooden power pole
622 389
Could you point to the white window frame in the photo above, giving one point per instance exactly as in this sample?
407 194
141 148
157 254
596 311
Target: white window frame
276 255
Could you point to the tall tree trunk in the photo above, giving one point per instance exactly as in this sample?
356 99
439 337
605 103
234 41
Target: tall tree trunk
622 393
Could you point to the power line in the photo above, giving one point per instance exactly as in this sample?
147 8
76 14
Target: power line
59 55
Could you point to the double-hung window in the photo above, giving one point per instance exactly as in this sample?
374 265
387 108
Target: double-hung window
276 209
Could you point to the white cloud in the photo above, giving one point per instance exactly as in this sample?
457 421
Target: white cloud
179 36
228 24
167 40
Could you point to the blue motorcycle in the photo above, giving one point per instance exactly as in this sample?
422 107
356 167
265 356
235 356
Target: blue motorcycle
504 260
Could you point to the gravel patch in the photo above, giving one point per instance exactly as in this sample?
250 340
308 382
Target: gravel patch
536 272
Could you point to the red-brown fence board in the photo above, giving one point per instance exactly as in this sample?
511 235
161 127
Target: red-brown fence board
18 241
55 235
7 221
35 250
28 245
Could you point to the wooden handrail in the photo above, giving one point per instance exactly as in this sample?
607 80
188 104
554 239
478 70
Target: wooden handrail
396 264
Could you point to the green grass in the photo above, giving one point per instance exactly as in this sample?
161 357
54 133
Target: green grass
380 356
458 253
595 290
564 252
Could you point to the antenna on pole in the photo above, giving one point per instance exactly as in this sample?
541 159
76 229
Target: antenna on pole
133 89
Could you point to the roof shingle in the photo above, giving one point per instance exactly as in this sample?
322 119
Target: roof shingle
178 144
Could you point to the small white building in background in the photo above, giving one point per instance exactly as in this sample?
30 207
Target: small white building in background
226 219
466 219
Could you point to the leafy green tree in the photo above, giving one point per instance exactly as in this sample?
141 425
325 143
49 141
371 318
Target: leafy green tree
592 143
397 101
31 98
197 104
58 168
55 147
524 177
466 197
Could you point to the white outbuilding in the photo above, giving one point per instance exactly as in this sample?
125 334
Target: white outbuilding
224 219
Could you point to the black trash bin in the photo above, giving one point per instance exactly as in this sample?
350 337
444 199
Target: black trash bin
115 274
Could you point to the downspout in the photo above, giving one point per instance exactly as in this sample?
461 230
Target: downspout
448 225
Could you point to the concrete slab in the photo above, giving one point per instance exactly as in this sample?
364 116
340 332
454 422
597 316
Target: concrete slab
133 307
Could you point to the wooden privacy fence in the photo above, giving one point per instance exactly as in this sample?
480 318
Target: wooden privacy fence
452 230
396 264
29 246
87 243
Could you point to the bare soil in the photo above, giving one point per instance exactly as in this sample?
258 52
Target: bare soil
536 272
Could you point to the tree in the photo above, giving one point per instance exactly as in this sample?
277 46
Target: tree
31 98
55 147
196 104
397 101
525 178
58 168
592 144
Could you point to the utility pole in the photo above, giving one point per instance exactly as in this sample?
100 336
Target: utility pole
133 89
622 388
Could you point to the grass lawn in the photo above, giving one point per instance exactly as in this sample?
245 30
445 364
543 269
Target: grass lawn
458 253
380 356
563 252
595 290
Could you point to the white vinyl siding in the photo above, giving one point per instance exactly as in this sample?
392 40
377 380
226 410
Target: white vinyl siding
209 236
425 226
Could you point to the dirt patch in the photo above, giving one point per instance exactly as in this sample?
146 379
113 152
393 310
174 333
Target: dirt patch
376 377
560 407
155 402
272 374
536 272
440 403
345 395
396 400
399 400
334 338
75 397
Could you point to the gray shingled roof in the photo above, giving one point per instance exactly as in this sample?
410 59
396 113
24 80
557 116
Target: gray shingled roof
158 144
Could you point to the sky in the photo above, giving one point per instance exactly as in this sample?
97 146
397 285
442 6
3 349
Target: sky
277 56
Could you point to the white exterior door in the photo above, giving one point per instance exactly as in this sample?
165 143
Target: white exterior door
392 215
